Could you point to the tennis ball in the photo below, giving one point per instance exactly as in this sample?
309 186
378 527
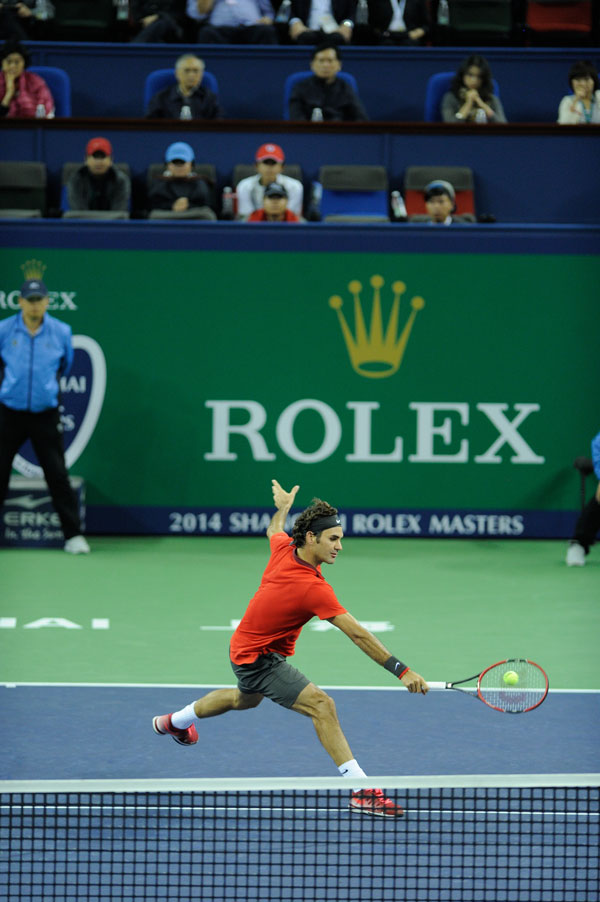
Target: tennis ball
511 678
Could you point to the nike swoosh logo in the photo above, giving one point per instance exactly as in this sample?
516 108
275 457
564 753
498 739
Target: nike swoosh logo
28 501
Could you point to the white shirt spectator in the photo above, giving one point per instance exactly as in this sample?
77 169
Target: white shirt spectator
250 194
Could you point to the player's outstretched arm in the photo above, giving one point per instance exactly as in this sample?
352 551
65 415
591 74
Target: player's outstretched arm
283 501
377 651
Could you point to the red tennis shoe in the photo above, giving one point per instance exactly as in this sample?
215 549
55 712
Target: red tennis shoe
162 724
373 801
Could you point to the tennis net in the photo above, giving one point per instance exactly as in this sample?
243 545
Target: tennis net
471 839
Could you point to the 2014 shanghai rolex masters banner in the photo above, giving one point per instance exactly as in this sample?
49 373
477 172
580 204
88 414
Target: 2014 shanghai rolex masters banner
424 395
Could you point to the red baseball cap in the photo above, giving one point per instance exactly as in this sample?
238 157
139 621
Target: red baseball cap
95 144
270 152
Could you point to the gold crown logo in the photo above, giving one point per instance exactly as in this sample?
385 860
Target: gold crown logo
33 269
375 354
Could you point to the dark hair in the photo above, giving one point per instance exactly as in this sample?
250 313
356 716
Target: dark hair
438 191
325 45
486 89
13 46
303 523
583 69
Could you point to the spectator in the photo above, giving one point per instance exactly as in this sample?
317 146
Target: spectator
160 21
18 21
237 22
588 523
275 206
439 198
471 96
189 98
314 22
250 191
98 184
582 107
331 96
24 94
179 188
396 22
35 351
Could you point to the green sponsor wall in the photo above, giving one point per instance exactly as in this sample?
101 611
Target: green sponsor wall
180 329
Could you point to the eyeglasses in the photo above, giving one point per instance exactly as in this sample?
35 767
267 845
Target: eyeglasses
99 155
269 162
178 162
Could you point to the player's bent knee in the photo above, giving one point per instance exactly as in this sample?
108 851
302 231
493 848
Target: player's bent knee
315 703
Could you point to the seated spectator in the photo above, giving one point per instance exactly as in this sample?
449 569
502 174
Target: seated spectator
274 209
250 191
394 22
471 96
179 188
314 22
237 22
18 21
583 105
160 21
331 96
189 98
23 94
98 184
439 200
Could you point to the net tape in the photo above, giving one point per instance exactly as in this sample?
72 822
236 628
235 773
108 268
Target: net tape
467 842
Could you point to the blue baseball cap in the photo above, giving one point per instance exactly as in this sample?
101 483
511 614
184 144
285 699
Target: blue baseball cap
179 151
33 288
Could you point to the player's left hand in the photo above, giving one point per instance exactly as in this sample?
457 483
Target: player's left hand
281 498
414 682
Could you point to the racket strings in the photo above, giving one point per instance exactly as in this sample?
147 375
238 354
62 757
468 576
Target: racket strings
515 695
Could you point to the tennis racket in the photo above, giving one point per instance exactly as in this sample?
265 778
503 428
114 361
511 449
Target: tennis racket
513 686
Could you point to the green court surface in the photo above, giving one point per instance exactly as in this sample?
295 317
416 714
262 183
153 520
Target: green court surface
160 610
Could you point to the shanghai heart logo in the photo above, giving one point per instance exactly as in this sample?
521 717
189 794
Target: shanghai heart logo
81 399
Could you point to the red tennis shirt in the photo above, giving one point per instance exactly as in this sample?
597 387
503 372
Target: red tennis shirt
291 592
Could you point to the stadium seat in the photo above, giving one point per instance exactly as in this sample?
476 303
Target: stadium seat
22 190
354 194
437 86
548 19
300 76
67 171
82 20
60 87
460 177
162 78
481 18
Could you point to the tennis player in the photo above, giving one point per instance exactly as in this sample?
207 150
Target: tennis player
292 591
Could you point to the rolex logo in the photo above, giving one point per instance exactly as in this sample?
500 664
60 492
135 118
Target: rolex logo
376 353
33 269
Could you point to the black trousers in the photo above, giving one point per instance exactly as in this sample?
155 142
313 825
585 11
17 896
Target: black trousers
244 34
588 524
43 428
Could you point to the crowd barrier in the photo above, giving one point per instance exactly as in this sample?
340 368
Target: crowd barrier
211 358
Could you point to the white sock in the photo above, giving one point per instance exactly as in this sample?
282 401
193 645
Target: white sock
184 718
351 769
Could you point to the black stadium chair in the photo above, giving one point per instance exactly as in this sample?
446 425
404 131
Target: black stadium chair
22 190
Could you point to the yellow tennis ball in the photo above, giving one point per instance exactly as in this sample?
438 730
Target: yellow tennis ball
511 678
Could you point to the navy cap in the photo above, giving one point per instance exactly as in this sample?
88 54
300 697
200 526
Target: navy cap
275 190
33 288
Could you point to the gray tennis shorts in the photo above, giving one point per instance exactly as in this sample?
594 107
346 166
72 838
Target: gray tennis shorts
273 677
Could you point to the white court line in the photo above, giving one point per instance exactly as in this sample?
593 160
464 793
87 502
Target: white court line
14 685
266 810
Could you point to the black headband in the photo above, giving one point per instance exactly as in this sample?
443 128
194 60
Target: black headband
322 523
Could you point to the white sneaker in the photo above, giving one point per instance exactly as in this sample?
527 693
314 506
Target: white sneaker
77 545
575 555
